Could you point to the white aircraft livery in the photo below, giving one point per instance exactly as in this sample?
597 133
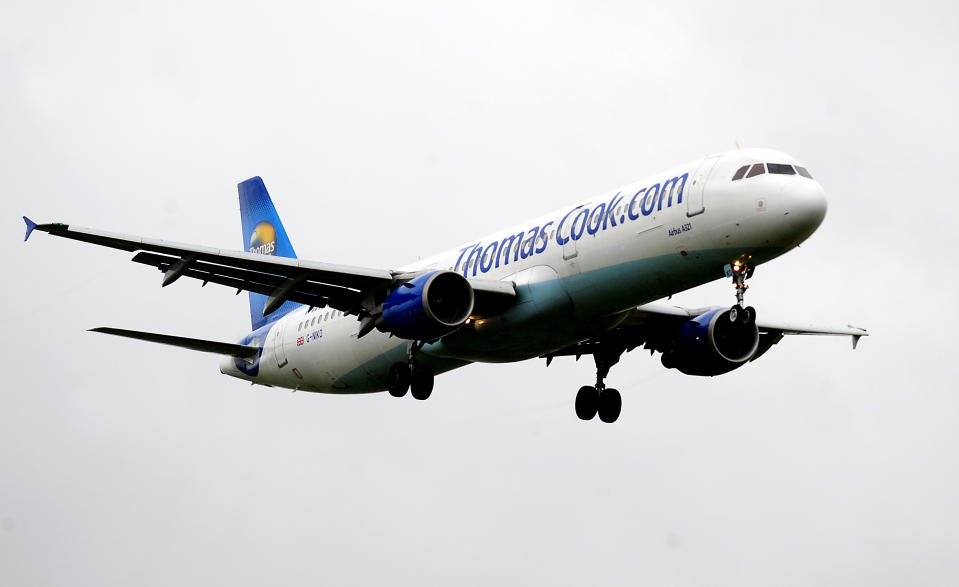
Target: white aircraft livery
581 280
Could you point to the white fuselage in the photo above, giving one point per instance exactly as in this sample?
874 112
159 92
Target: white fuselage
578 271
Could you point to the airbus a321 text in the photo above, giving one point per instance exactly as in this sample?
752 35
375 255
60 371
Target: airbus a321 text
581 280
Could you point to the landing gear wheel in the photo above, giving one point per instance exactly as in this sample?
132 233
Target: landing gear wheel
587 400
421 382
610 405
749 315
734 313
398 382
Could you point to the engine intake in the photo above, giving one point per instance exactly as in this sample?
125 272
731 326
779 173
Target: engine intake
715 342
428 306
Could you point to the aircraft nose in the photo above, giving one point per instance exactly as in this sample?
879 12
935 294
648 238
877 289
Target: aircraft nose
804 203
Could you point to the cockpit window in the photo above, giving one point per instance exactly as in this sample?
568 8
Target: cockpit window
781 168
758 169
777 168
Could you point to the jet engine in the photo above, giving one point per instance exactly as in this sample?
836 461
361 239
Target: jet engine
715 342
427 307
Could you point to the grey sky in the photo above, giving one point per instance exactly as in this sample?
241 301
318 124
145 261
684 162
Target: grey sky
386 132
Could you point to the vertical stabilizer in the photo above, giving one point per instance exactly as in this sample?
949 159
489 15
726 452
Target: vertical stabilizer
263 233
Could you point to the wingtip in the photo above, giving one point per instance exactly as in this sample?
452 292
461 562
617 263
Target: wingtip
30 226
256 179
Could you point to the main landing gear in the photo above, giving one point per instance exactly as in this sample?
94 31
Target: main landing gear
411 376
598 399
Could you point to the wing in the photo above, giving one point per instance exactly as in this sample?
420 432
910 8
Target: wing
654 325
352 290
658 313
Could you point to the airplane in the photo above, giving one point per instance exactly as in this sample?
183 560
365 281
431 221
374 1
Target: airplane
581 280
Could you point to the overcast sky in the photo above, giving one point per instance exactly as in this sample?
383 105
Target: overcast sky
390 131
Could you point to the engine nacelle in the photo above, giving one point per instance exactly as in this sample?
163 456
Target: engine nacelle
428 306
715 342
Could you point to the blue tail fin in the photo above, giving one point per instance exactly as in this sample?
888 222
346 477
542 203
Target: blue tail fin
263 233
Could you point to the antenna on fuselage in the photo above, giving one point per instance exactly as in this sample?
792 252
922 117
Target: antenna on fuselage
737 146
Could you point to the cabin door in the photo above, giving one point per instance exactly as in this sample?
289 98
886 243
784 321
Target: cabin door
694 197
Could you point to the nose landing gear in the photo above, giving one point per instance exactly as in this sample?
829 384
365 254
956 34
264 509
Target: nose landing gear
741 272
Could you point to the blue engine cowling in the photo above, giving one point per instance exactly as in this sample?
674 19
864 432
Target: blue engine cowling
427 307
715 342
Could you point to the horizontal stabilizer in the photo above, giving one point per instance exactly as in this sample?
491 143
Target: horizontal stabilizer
240 351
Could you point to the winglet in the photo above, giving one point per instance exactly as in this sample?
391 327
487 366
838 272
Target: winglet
855 340
30 226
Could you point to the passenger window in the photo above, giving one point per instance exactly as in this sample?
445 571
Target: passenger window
803 172
758 169
740 172
781 169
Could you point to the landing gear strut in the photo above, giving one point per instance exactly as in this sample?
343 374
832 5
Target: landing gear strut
598 399
411 376
741 272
